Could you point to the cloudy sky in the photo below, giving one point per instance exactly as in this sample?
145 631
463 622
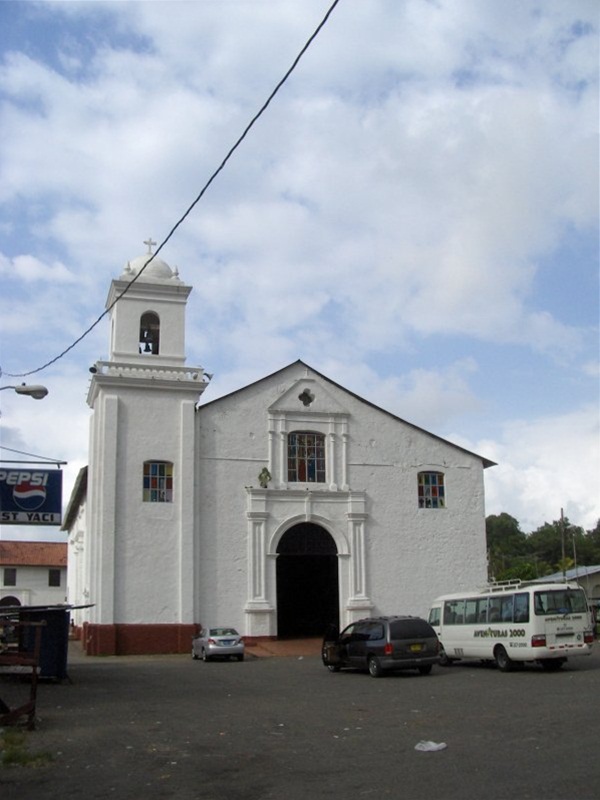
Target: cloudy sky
415 215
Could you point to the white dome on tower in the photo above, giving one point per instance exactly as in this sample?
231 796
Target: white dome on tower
157 269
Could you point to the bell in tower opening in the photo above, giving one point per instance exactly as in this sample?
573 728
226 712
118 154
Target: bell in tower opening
149 334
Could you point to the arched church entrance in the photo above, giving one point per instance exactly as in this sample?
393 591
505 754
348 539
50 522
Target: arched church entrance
307 582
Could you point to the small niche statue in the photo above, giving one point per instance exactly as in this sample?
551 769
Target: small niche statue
264 477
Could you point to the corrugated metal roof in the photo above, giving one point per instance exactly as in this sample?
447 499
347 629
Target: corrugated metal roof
33 554
571 574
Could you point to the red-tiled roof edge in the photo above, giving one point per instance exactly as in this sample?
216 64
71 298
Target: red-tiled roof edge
33 554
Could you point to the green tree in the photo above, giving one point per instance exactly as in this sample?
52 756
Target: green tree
593 541
559 545
506 543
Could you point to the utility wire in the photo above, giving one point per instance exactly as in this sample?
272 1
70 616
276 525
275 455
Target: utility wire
32 455
192 206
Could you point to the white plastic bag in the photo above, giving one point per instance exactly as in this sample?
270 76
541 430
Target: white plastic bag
430 747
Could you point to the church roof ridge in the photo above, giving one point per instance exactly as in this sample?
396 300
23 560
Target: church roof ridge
485 461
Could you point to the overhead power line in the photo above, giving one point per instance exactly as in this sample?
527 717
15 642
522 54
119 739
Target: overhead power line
203 191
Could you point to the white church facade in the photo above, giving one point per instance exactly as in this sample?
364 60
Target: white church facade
284 506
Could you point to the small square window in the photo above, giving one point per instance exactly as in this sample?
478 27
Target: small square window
53 577
10 576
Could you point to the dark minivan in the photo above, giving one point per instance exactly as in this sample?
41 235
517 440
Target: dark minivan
382 644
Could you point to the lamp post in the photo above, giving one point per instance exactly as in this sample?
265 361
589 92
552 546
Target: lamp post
36 391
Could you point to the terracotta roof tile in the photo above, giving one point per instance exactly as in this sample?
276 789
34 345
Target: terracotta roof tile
37 554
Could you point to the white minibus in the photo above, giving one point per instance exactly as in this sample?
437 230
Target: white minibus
512 622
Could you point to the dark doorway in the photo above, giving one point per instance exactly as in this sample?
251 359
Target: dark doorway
10 601
307 582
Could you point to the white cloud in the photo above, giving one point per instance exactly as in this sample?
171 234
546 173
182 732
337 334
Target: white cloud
406 188
546 464
30 269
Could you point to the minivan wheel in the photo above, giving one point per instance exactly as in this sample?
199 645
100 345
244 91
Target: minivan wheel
425 669
374 667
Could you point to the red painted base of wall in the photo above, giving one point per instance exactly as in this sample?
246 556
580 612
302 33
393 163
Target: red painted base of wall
137 640
251 641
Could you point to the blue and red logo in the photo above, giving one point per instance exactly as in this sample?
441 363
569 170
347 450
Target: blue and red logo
29 497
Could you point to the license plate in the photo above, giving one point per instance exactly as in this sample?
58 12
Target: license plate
416 648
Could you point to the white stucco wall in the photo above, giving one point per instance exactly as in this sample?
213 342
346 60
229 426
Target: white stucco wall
32 586
410 554
146 550
210 555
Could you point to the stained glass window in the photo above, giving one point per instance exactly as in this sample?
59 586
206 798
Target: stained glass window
306 457
432 493
158 482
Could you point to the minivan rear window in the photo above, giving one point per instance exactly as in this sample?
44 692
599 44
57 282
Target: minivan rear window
410 629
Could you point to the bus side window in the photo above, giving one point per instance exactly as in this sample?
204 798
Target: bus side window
522 607
507 609
471 611
460 612
448 614
482 615
494 611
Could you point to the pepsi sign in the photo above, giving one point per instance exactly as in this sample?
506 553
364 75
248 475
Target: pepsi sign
30 497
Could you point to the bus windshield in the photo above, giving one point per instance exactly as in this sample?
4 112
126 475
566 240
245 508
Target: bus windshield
560 601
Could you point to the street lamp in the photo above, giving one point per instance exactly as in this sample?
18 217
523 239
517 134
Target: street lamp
36 391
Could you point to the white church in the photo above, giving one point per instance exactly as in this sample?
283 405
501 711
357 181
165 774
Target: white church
284 506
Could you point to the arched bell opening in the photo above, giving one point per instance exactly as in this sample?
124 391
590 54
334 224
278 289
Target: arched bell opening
149 334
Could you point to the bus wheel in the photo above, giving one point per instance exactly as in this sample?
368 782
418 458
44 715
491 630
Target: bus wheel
552 664
444 660
503 662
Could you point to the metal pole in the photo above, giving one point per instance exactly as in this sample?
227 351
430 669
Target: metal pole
562 539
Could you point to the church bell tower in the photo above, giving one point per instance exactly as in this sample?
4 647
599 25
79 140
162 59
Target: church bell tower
141 482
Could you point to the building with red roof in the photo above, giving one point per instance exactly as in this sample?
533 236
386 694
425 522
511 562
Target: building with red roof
33 573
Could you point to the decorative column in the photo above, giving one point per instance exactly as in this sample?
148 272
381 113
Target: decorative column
359 603
260 612
345 486
282 458
331 460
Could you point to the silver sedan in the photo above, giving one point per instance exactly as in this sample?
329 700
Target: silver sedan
218 643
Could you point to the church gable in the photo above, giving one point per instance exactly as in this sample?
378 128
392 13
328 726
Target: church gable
308 396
